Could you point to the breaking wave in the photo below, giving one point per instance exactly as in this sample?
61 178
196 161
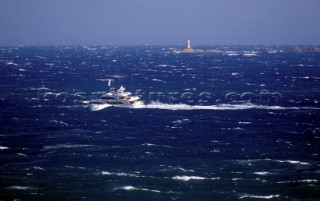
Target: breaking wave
188 178
120 174
132 188
97 107
23 188
259 196
300 181
262 173
3 148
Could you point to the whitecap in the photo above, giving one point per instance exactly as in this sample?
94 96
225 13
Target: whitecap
188 178
259 196
182 121
21 154
155 145
158 80
74 167
118 76
190 89
38 168
59 123
68 146
148 144
233 54
230 129
244 122
250 54
11 63
292 162
106 173
40 88
128 188
262 173
132 188
20 188
173 168
120 174
300 181
184 170
166 65
236 179
3 148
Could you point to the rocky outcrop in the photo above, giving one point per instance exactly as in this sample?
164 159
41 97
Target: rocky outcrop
304 49
190 50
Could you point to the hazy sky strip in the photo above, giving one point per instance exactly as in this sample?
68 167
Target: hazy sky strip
159 22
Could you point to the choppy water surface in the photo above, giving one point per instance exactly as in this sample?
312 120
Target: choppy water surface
214 127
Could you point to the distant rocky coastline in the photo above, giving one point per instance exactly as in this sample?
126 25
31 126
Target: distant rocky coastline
296 49
304 49
261 49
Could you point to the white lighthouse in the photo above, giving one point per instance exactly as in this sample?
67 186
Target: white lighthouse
188 44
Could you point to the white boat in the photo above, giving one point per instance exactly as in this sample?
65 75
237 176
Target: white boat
118 98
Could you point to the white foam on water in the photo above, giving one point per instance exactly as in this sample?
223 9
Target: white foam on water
158 80
11 63
292 162
184 170
165 106
59 123
120 174
20 188
188 178
249 54
244 122
148 144
38 168
155 145
68 146
166 65
259 196
182 121
262 173
3 148
22 154
132 188
75 167
128 188
40 88
173 168
97 107
300 181
236 179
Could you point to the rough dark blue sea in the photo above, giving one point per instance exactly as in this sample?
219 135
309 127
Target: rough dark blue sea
226 126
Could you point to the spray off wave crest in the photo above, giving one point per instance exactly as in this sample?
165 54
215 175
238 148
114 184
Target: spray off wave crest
165 106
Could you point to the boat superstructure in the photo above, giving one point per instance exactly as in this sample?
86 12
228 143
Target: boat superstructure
119 98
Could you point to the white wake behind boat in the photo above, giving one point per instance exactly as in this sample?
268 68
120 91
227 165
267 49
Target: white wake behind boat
118 98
